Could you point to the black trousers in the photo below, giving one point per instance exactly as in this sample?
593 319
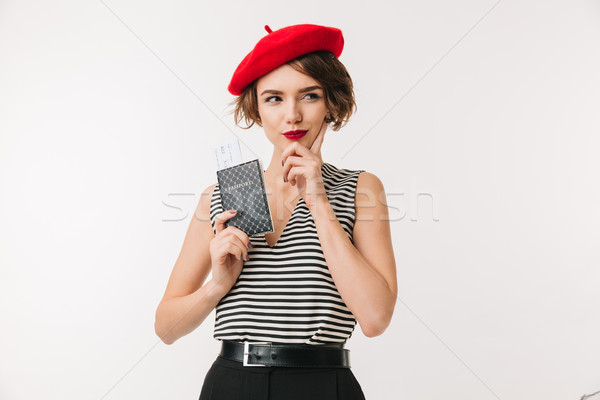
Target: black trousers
230 380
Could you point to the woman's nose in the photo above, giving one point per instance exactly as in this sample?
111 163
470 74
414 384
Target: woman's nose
293 112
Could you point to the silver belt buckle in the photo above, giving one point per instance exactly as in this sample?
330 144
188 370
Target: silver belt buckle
247 352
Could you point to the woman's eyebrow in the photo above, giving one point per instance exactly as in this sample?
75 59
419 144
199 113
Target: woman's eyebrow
306 89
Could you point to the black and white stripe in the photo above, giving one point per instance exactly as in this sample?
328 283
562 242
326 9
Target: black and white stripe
285 293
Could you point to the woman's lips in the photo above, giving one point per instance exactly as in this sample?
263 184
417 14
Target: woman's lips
295 135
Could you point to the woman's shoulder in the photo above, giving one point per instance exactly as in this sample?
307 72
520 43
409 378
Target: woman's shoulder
369 181
210 190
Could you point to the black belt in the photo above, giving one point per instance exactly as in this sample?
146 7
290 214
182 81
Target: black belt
265 354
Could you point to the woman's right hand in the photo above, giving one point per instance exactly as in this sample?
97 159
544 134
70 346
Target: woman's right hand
228 250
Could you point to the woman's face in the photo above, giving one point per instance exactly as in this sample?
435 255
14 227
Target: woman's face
289 100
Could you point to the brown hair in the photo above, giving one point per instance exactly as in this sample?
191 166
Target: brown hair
323 67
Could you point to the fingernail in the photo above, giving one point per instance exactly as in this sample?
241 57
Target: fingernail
246 257
249 245
232 211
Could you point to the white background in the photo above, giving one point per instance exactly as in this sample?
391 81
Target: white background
481 119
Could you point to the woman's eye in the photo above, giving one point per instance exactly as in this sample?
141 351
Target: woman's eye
312 96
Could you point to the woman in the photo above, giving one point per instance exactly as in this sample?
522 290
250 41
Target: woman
287 301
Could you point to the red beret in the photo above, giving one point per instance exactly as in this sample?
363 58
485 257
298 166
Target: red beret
281 46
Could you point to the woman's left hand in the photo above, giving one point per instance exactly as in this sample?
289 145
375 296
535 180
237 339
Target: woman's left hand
302 167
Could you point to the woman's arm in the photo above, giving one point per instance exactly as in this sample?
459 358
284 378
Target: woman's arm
364 273
187 302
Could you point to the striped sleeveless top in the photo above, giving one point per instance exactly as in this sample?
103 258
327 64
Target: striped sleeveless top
285 293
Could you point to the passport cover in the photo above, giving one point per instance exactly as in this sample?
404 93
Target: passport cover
242 187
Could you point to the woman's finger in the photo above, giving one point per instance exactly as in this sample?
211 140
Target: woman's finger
221 218
316 146
296 163
240 234
291 161
298 149
235 247
297 172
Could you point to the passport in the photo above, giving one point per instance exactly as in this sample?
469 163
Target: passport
242 188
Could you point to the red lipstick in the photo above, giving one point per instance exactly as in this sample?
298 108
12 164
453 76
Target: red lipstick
295 135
